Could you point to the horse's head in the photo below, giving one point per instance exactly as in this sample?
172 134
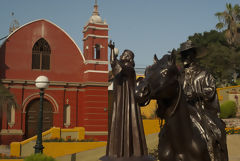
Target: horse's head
160 82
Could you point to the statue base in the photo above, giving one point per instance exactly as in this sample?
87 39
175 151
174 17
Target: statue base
133 158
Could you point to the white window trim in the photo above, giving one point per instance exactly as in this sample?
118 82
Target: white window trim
68 116
12 121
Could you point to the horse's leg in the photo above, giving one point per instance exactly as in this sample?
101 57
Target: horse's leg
165 151
199 151
220 145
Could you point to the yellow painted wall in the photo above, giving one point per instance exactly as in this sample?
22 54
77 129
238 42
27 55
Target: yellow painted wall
56 149
25 147
151 126
149 110
228 93
15 149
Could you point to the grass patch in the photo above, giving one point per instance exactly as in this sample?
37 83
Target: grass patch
39 157
4 156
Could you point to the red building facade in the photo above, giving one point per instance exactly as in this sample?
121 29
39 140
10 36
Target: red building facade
78 91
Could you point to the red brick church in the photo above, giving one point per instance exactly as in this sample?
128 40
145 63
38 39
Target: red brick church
78 89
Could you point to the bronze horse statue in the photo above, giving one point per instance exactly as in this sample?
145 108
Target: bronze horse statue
179 139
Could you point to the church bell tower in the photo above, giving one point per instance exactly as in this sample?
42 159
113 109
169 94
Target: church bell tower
95 45
95 37
95 50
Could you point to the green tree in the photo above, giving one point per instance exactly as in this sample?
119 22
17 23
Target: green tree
229 19
216 56
7 99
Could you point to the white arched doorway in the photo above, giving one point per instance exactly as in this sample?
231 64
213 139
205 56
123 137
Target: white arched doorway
32 113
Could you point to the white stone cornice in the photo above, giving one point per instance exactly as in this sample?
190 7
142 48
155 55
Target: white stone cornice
96 132
11 132
100 84
95 28
95 71
96 62
95 36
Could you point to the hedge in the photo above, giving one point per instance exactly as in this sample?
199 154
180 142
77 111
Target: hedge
228 109
39 157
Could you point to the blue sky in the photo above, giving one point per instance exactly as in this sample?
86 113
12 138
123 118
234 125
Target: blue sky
144 26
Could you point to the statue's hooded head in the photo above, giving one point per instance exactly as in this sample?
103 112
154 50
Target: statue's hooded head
127 58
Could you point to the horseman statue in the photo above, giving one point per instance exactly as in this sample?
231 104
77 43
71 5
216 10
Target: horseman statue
200 90
188 103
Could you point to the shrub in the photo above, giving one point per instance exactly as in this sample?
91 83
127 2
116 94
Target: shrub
39 157
69 140
228 109
4 156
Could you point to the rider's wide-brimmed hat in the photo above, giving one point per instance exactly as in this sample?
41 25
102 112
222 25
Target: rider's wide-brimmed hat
186 46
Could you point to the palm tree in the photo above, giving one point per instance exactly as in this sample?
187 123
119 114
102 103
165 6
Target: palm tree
7 100
230 19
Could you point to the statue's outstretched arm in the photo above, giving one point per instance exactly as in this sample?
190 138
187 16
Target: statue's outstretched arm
113 57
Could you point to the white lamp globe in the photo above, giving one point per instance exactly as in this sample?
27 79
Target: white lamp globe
116 51
42 82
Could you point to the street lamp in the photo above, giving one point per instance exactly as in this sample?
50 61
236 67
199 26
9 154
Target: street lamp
42 83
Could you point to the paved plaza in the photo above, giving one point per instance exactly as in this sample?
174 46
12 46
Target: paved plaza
233 142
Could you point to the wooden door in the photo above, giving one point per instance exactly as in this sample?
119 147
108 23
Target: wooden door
32 117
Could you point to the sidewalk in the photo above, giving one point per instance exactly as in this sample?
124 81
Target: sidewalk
5 149
233 143
95 154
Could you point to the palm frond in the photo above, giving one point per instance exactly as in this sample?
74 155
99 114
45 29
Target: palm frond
236 9
220 25
7 98
229 7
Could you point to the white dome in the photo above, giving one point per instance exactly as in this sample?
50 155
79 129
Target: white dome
95 19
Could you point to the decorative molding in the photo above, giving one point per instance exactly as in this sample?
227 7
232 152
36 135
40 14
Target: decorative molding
12 113
68 116
96 84
96 62
11 132
96 133
95 71
36 95
32 82
48 89
56 83
11 124
95 28
91 23
66 125
95 36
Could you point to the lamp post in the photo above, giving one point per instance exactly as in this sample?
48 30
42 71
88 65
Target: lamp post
42 83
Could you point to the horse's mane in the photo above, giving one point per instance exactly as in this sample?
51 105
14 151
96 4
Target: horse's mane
161 63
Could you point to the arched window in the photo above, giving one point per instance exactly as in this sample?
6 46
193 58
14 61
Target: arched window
97 51
41 55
